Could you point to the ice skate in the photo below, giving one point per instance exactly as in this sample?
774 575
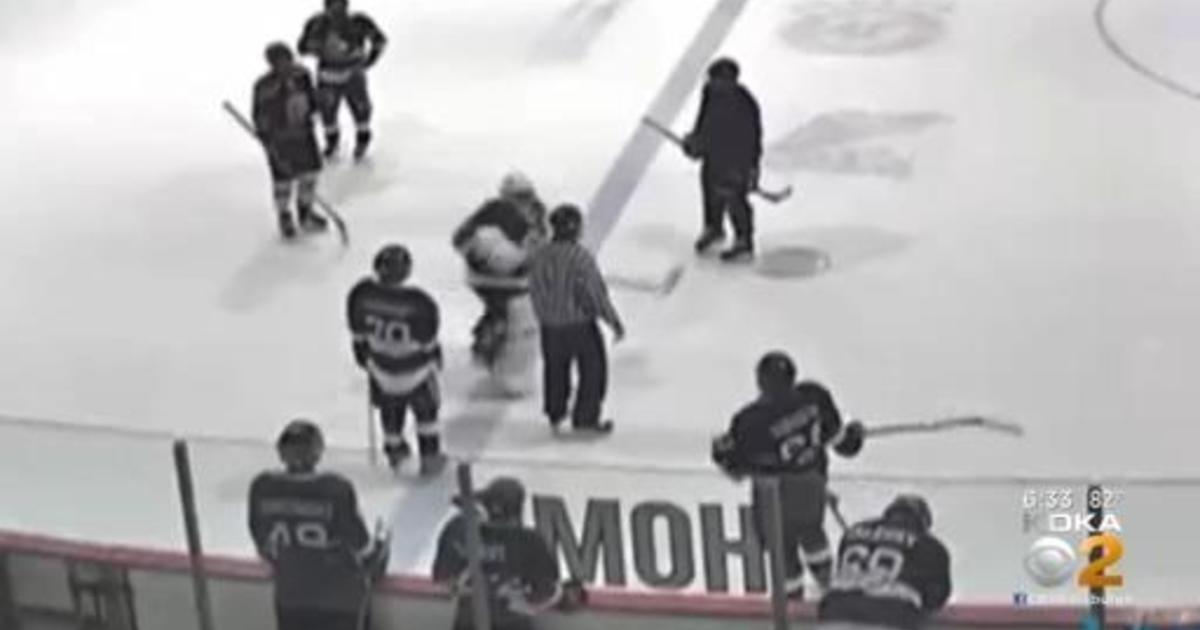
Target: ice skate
362 143
287 226
397 455
708 238
311 221
741 251
603 427
331 147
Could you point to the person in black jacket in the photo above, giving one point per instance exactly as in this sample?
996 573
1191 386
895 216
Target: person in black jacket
520 571
785 434
284 103
892 572
346 45
306 525
727 138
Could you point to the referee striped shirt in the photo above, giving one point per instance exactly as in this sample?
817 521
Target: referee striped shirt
567 288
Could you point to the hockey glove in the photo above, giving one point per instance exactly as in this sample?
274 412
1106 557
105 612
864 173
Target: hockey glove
724 451
361 353
852 439
693 147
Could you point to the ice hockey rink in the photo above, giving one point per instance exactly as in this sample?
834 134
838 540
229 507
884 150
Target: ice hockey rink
1003 190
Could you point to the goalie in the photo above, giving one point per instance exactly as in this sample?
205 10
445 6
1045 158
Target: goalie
784 433
496 242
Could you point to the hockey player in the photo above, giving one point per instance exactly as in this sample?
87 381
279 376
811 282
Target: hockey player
520 570
346 45
727 138
307 527
496 242
394 327
785 434
892 572
284 105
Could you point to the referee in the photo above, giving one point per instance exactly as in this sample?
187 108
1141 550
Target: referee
569 295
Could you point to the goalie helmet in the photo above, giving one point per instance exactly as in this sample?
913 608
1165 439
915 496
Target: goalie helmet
300 445
516 185
393 264
910 507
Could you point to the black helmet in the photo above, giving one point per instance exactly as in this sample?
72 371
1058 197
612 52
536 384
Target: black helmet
300 445
393 264
278 52
724 68
566 222
503 498
776 372
910 507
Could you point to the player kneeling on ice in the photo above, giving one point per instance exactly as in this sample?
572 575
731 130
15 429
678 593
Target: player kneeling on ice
285 102
520 571
784 434
307 527
496 242
394 327
891 574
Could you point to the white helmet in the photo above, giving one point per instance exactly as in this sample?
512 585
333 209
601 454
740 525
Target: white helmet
516 184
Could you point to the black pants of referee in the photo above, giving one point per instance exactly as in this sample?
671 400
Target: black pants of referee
564 347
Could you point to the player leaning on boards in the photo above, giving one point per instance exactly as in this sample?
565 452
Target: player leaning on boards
346 45
569 295
394 327
307 527
496 242
520 570
784 433
727 138
284 105
892 573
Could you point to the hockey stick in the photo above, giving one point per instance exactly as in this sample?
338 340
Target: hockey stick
663 287
835 508
773 196
333 215
373 574
372 434
933 426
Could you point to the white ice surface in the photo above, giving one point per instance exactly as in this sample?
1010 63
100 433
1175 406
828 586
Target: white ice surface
1040 262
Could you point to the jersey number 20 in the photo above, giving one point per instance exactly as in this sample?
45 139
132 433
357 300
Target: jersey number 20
388 330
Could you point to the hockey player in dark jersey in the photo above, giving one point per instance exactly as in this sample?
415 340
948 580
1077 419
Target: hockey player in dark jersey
521 572
284 105
496 242
307 527
346 45
785 434
891 574
394 327
727 138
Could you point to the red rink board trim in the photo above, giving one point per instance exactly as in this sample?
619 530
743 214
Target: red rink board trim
602 599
